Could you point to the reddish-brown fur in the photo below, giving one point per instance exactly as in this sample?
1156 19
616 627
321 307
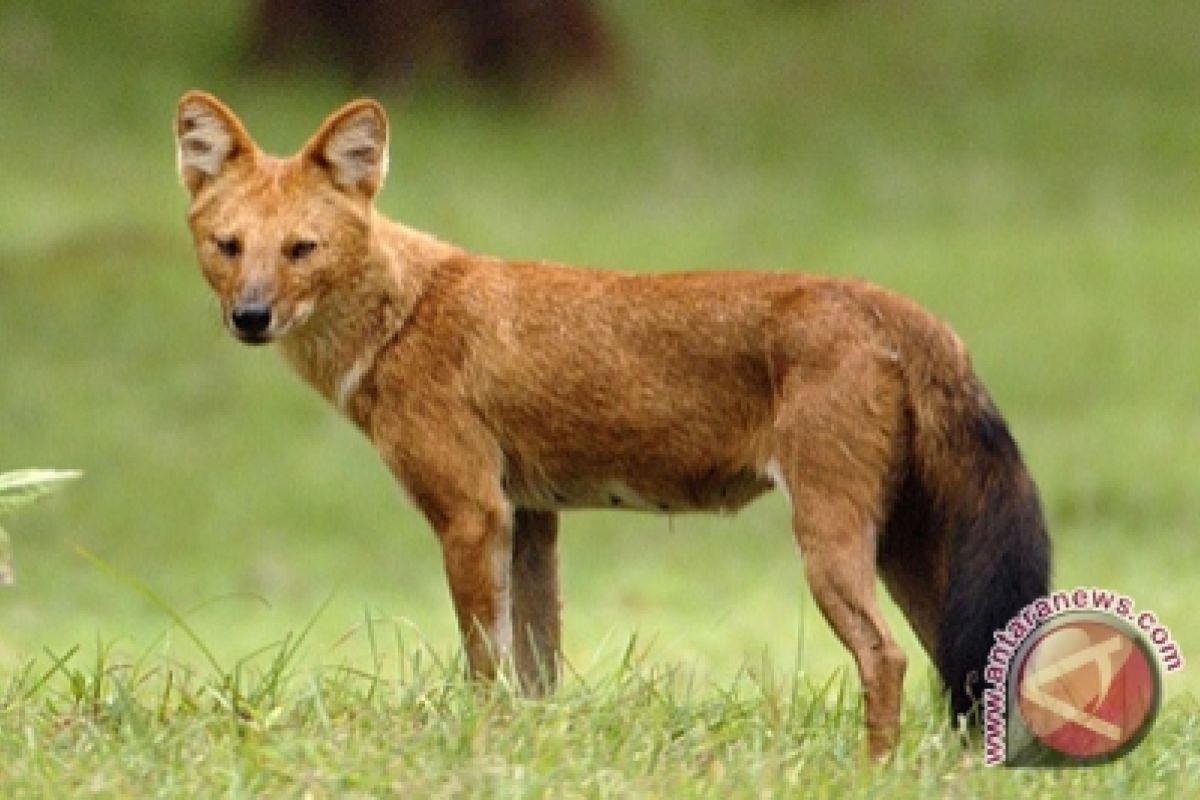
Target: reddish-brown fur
500 392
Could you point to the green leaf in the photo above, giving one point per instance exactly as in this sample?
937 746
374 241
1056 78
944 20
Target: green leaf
23 486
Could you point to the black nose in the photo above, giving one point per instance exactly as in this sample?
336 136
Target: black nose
251 320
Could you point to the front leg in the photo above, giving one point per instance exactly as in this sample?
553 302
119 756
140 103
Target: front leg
477 547
535 604
453 470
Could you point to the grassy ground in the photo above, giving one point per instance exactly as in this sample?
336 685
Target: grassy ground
1026 171
413 730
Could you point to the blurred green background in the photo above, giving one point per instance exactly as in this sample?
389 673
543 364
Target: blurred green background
1027 170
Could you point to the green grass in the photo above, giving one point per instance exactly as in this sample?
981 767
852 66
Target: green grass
1027 171
405 724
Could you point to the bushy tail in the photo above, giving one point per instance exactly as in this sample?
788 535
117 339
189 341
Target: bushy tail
965 548
998 552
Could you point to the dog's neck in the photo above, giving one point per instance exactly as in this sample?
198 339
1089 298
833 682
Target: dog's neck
339 344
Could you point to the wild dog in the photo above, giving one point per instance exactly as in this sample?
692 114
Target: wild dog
501 392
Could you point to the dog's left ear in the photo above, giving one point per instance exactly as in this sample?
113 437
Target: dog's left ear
352 147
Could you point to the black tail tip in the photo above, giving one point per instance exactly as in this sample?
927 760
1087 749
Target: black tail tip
966 699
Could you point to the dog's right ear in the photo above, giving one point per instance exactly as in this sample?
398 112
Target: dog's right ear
208 137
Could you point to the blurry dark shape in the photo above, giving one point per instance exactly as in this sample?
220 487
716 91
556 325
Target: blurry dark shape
504 43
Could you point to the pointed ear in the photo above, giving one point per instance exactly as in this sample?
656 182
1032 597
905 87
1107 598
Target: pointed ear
351 146
208 136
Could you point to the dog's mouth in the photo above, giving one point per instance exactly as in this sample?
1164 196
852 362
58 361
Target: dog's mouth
253 339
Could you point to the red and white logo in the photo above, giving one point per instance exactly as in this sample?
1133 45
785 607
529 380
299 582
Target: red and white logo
1086 688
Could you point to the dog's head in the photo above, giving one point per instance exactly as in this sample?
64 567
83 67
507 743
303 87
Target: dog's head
274 235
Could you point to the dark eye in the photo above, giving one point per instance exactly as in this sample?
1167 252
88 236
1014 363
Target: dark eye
229 246
300 249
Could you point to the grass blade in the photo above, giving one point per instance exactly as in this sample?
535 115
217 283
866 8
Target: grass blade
157 601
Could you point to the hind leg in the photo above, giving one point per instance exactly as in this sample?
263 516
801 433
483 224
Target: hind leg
837 444
838 545
913 562
535 599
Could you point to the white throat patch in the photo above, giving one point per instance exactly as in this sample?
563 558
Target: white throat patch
348 384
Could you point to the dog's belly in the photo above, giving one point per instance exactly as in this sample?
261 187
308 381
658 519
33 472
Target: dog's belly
720 490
